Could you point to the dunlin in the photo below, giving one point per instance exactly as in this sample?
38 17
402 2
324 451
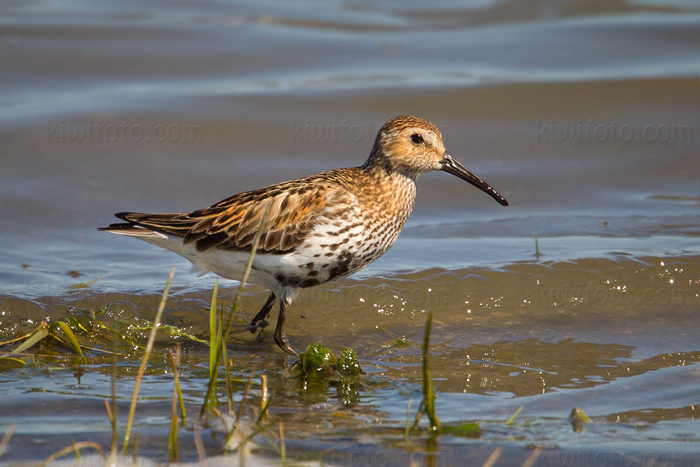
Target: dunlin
317 228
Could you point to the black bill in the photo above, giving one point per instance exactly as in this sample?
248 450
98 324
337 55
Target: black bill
453 167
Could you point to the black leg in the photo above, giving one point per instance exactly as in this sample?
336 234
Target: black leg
262 314
280 338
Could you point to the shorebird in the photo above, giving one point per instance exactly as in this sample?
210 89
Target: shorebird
316 229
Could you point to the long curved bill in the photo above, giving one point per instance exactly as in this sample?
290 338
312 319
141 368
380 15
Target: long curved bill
453 166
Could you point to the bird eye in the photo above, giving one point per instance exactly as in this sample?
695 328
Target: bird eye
417 138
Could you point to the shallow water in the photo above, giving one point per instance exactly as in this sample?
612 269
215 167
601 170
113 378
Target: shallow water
583 115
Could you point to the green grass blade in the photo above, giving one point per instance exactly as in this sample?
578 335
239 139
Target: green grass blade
428 388
37 335
227 378
223 335
114 446
144 361
72 449
211 402
173 453
213 331
71 337
578 418
7 363
283 446
82 285
264 399
407 429
511 420
181 400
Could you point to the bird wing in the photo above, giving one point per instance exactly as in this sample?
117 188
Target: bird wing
293 209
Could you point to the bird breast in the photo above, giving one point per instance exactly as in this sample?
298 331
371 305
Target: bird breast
350 235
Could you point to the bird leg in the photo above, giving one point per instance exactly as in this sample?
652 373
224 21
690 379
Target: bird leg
280 338
259 320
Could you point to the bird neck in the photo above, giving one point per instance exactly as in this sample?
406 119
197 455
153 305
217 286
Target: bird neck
379 166
392 192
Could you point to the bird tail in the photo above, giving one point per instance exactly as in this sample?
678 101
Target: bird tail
150 225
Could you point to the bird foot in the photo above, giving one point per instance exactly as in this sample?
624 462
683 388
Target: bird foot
254 325
283 343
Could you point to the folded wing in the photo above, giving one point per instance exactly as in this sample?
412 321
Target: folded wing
291 211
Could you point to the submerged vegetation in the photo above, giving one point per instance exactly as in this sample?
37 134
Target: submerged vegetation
320 360
83 337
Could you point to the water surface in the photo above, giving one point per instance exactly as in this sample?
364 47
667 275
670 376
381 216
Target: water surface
583 115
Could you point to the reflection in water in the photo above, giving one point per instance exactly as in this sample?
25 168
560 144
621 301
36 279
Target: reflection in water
532 366
371 409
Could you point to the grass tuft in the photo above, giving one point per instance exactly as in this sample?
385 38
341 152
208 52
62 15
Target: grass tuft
34 337
347 364
67 331
223 331
319 360
316 359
